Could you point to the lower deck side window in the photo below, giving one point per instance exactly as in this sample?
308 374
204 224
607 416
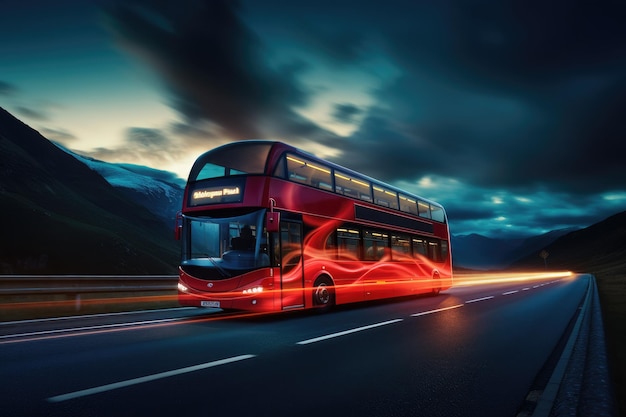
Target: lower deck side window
353 243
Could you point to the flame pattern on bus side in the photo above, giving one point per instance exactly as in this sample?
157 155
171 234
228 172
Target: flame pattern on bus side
351 279
357 280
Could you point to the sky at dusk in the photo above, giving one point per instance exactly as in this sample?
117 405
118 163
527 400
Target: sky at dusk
512 114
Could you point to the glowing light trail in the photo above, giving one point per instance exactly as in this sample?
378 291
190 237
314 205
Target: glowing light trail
88 316
486 278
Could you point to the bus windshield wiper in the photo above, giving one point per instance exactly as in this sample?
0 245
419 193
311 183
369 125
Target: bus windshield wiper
219 267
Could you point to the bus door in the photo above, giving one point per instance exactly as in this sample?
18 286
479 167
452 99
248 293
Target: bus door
291 265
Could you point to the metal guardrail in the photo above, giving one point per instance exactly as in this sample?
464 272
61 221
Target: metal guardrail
82 284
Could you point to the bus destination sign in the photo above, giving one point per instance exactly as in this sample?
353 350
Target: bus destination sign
202 194
218 194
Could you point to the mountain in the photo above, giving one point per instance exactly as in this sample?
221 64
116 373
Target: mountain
599 246
62 217
161 192
475 251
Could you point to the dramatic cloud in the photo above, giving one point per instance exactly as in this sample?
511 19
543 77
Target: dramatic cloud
7 89
505 111
147 138
62 136
509 113
214 67
31 113
511 94
346 113
139 146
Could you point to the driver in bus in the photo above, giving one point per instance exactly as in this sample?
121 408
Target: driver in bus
245 241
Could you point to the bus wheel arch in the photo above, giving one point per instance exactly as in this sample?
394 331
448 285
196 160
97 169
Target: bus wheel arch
323 293
436 289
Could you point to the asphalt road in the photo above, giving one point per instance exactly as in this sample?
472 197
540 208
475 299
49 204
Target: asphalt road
471 351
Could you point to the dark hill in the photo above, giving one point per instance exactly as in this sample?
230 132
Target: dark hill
59 216
600 246
479 252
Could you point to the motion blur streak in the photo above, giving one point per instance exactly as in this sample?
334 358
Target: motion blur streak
34 307
111 328
84 302
485 278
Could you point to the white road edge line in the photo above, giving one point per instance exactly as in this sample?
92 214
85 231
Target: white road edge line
423 313
90 316
479 299
147 378
345 332
80 329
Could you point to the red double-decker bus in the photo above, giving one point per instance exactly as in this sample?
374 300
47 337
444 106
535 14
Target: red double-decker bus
268 227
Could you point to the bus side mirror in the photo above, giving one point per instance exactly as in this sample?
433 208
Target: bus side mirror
272 222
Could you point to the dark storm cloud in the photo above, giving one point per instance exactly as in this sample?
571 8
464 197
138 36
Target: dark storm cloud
58 135
214 66
523 96
503 94
140 144
346 112
7 89
146 138
31 113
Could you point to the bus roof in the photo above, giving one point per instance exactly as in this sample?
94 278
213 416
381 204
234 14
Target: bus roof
264 154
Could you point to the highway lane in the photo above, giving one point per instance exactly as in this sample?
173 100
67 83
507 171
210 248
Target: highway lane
473 350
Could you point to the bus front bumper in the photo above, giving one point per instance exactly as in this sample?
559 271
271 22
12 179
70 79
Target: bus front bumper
250 301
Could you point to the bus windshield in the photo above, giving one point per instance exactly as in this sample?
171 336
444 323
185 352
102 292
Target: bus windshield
220 248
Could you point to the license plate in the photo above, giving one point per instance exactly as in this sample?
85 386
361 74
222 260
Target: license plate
210 304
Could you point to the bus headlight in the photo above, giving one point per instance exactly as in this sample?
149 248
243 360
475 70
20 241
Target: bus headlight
254 290
182 288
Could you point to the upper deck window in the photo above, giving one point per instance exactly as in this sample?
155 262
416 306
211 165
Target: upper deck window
386 198
424 209
233 159
437 213
408 204
310 173
352 187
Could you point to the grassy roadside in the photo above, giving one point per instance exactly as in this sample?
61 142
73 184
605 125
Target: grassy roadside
612 291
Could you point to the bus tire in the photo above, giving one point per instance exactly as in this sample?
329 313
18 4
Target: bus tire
436 285
323 294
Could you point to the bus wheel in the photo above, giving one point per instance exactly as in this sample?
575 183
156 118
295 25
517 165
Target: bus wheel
436 285
323 294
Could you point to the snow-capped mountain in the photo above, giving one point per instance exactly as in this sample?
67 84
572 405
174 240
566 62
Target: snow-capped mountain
159 191
63 217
